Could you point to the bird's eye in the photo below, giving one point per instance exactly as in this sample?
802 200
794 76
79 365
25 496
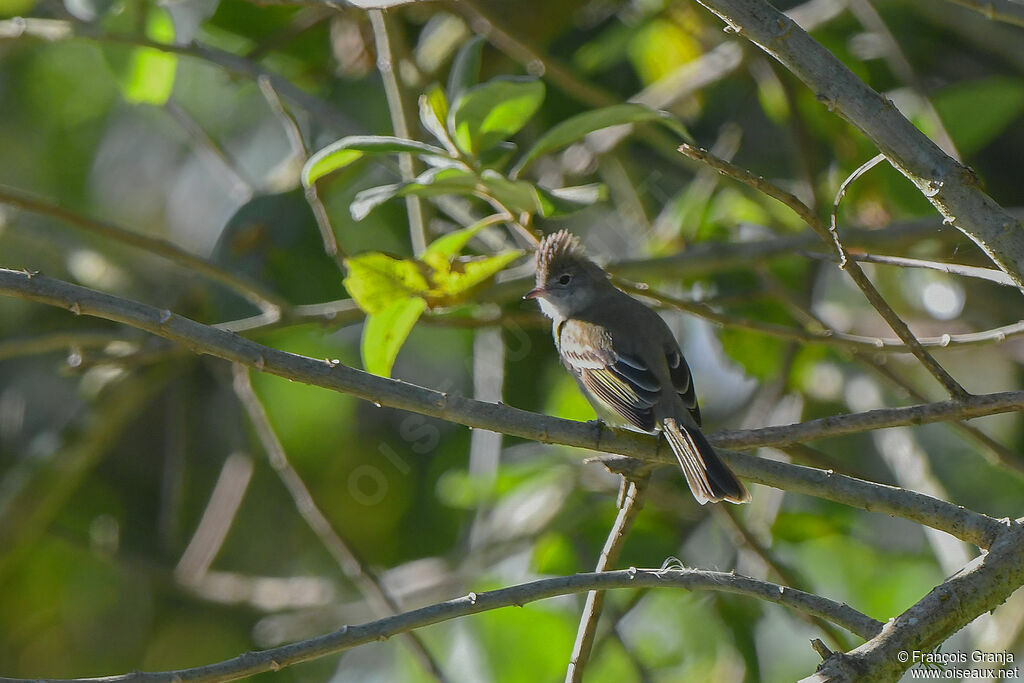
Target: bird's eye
565 279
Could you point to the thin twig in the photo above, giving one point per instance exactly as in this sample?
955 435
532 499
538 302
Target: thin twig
300 152
981 586
827 335
210 149
348 637
399 123
995 452
833 225
302 21
267 301
351 565
713 257
869 17
1009 11
964 524
998 454
57 341
59 29
872 294
788 575
988 274
532 58
949 186
634 488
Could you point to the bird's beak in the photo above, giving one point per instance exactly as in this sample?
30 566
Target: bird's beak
535 293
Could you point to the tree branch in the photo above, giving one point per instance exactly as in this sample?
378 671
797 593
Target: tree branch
351 565
348 637
399 124
633 488
829 336
951 187
53 30
989 274
980 587
711 257
829 236
256 293
1000 10
964 524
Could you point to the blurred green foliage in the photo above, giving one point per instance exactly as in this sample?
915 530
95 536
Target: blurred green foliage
110 453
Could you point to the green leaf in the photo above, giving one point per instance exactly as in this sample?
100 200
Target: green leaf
433 112
375 280
517 195
496 157
577 127
464 275
563 201
149 76
975 113
350 149
452 244
494 111
465 70
433 181
386 331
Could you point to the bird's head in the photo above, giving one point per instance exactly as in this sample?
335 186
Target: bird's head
567 281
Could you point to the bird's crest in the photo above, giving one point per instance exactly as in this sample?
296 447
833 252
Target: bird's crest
558 250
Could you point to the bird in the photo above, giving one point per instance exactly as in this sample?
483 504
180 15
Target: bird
627 362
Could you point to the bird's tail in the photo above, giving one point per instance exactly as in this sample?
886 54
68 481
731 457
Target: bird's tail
708 477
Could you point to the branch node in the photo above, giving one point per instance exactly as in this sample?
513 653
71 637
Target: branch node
821 648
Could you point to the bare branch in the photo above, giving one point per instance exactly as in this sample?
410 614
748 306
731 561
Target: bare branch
633 489
301 153
399 124
711 257
964 524
351 565
208 149
1000 10
532 58
980 587
253 291
871 293
827 335
59 29
989 274
950 187
788 575
348 637
57 341
833 225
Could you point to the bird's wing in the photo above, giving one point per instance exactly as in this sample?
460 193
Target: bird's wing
622 382
682 381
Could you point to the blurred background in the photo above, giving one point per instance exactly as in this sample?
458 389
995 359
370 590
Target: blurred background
142 524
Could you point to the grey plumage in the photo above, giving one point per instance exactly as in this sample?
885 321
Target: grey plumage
627 362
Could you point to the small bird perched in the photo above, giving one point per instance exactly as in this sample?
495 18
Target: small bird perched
626 361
